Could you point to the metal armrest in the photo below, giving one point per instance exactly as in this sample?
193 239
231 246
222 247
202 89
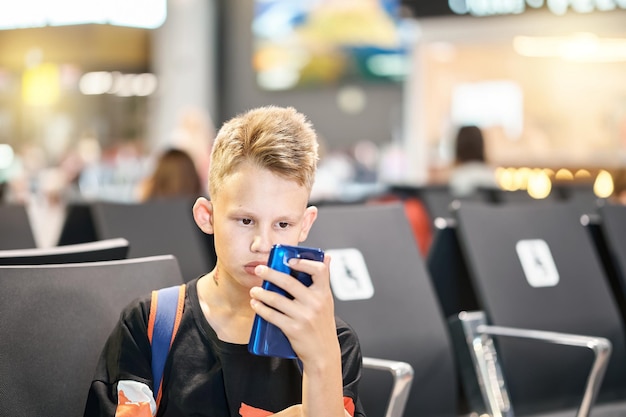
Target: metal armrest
487 368
402 379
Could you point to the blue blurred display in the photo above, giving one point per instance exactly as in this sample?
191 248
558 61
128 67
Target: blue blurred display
325 42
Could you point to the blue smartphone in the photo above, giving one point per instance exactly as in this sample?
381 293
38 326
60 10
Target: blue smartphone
267 339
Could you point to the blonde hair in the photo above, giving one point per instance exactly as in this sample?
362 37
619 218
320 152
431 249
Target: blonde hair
279 139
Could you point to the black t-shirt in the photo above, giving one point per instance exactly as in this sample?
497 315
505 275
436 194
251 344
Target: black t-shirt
203 375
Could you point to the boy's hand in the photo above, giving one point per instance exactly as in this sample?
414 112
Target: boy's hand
308 320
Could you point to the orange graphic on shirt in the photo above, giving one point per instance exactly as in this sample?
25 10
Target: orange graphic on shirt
348 405
248 411
128 408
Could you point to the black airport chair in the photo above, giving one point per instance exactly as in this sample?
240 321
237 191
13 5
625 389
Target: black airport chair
15 229
101 250
55 321
534 268
382 290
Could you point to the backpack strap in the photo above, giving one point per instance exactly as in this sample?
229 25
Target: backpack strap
166 310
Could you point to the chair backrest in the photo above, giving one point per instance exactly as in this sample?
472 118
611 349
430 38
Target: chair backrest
581 195
613 226
15 229
608 228
78 225
382 290
448 270
55 321
436 198
102 250
518 197
157 228
535 267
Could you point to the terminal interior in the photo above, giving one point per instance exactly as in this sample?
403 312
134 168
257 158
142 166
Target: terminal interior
500 301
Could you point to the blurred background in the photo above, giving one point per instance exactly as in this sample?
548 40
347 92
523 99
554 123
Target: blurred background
91 92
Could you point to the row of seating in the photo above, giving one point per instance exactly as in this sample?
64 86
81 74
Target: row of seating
533 271
535 267
90 320
155 227
437 198
151 228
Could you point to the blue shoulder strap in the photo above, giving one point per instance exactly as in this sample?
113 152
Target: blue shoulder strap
166 310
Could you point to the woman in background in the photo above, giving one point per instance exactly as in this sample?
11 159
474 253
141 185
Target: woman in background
175 176
471 170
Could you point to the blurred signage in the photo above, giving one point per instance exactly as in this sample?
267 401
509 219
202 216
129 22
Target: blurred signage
40 85
147 14
312 43
425 8
121 85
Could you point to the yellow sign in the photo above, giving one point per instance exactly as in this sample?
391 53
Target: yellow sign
40 85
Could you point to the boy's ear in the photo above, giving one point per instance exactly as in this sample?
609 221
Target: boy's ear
203 215
310 214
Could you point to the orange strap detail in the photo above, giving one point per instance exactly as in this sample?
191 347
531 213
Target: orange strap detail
179 311
154 303
152 321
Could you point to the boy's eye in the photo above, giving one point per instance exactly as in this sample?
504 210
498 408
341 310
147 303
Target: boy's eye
283 225
246 221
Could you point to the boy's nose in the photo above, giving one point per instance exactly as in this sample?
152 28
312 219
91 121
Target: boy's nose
261 243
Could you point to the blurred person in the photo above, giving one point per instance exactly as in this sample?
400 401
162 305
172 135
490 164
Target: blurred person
175 176
47 206
366 159
30 161
11 168
470 170
393 164
78 163
334 171
194 133
41 189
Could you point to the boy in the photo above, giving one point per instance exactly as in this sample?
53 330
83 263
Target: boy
262 169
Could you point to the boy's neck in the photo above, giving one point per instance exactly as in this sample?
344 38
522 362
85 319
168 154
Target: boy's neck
226 309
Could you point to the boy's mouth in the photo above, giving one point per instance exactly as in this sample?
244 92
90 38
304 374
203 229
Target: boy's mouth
250 266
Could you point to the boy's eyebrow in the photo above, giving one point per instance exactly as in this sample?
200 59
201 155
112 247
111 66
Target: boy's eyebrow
242 212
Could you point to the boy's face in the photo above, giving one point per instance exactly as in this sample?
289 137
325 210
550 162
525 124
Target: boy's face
254 210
